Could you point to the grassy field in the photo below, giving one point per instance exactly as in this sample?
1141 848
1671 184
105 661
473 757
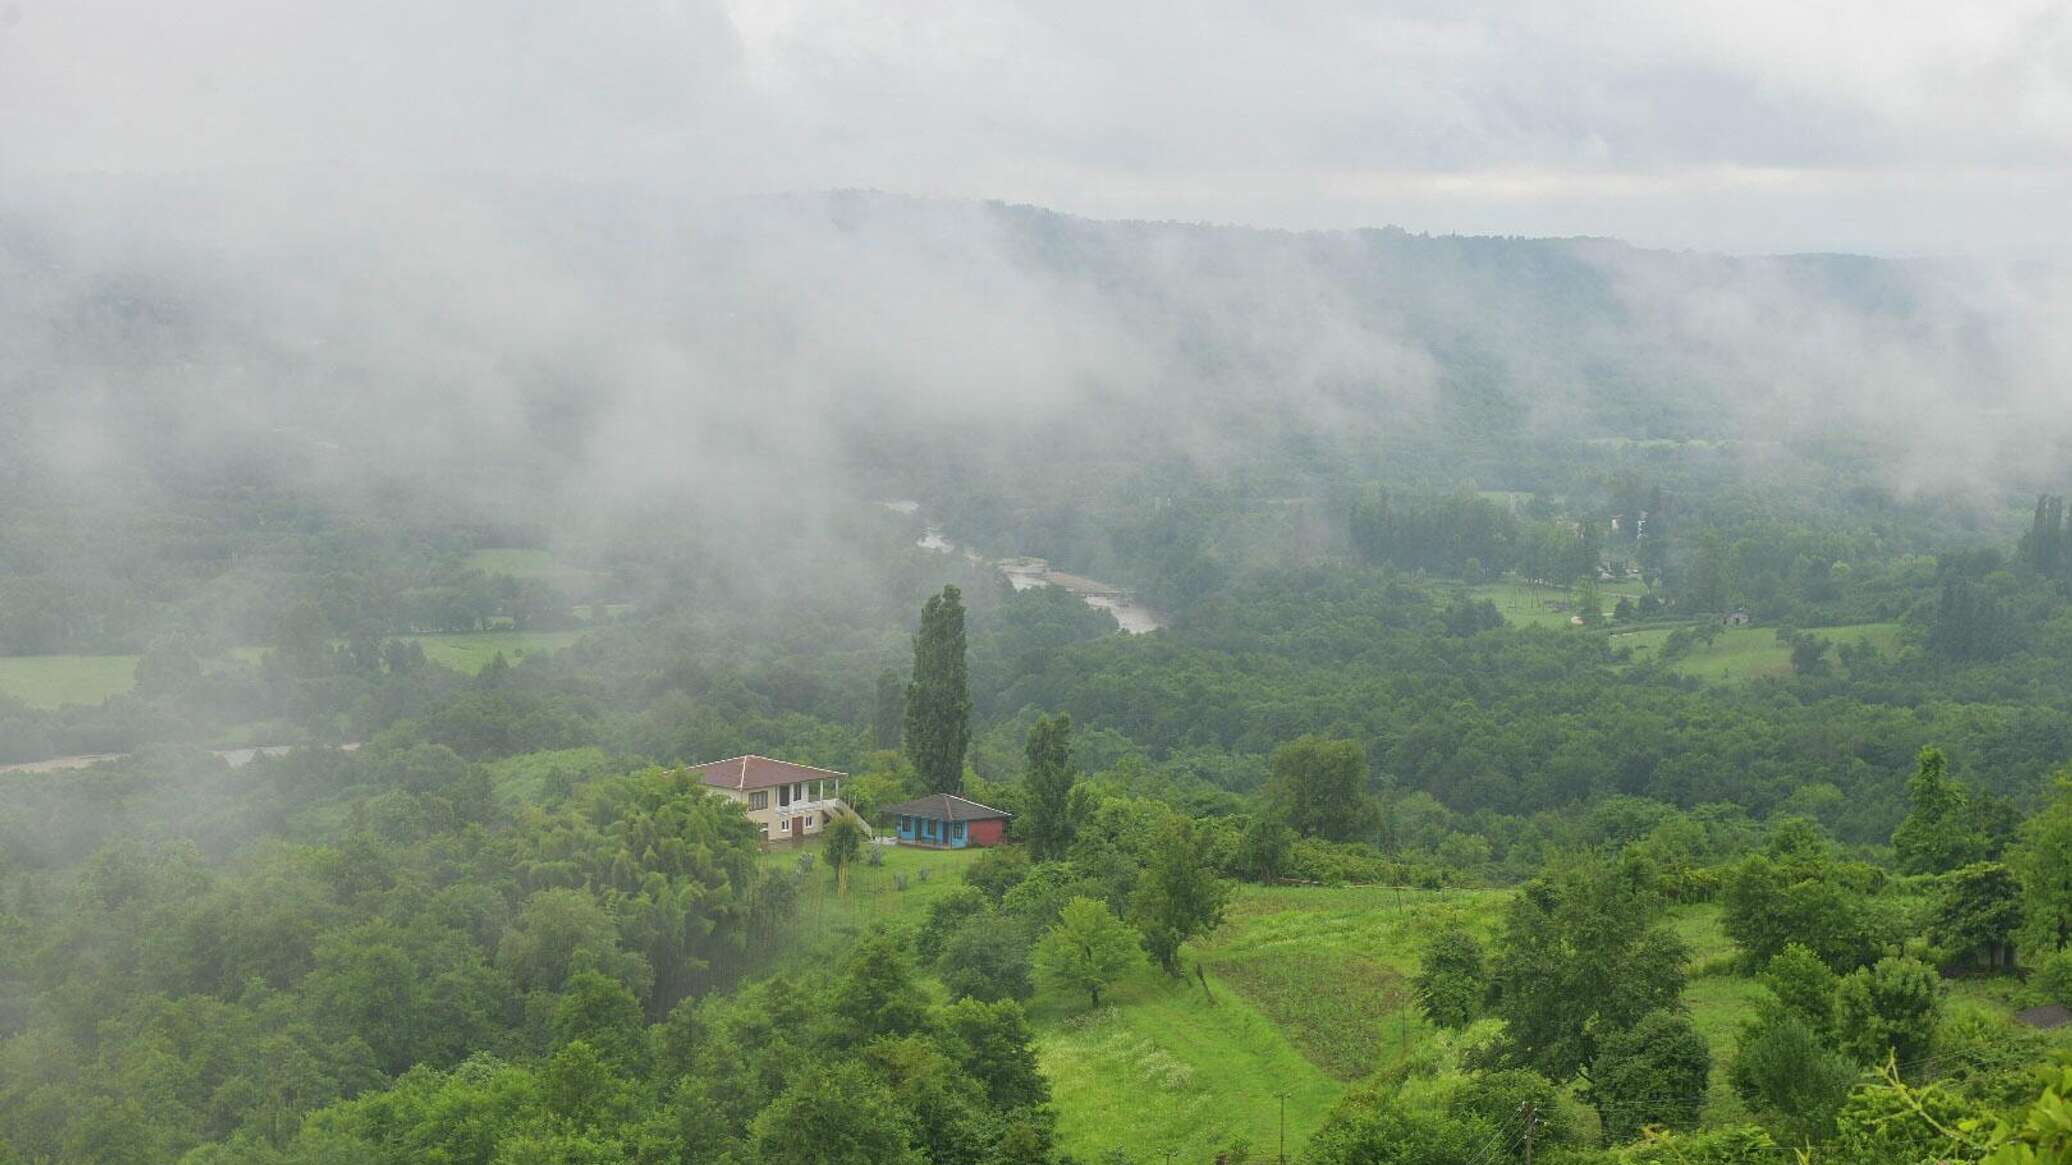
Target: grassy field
1747 653
1526 605
48 681
529 562
471 651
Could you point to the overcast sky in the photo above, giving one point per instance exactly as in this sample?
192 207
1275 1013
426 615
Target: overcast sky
1884 126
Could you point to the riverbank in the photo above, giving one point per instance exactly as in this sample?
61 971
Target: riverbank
1131 614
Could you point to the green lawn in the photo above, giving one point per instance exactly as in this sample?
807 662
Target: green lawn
1747 653
1526 605
47 681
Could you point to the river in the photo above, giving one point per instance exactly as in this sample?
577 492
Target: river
236 758
1130 613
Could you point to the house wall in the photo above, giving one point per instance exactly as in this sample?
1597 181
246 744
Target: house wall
928 831
772 816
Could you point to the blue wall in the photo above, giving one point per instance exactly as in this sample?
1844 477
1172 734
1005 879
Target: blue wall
929 831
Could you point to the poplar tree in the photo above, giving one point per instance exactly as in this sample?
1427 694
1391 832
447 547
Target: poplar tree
937 728
1049 785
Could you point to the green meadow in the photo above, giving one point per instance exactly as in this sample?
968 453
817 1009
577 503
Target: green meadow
1748 653
1526 605
51 681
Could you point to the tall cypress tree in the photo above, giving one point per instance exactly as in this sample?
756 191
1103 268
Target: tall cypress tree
1049 785
938 701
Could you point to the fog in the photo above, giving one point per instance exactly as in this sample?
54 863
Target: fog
563 257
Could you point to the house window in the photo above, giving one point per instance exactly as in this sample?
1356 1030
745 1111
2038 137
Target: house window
906 824
784 794
959 828
758 800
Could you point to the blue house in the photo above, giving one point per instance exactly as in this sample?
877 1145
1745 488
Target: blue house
947 821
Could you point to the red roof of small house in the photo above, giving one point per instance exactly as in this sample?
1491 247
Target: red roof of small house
759 772
946 807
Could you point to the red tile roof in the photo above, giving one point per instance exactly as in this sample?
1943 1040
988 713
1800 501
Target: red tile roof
759 772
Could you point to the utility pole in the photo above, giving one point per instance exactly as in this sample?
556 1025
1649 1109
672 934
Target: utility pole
1283 1094
1532 1122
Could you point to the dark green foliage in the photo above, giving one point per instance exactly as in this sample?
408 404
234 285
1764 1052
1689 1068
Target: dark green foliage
998 871
1319 787
844 1115
1785 1072
1263 848
2042 860
1452 979
1978 909
1772 902
987 961
1804 986
937 726
841 843
1178 896
888 709
947 914
876 992
1498 1098
1940 832
1047 820
1375 1128
1888 1010
1578 955
1652 1073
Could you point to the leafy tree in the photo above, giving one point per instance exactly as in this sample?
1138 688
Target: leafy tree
1375 1127
987 961
1784 1071
1977 911
937 726
1940 832
875 991
1047 810
1578 955
840 1115
1319 787
1770 904
1178 895
1497 1098
1652 1073
1888 1009
2041 859
598 1010
841 844
1452 980
991 1042
1804 987
947 915
1263 848
1088 949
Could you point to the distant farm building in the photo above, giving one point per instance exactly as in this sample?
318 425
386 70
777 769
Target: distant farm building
947 821
790 802
1735 619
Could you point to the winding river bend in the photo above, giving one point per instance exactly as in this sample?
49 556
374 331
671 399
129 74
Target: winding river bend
1130 613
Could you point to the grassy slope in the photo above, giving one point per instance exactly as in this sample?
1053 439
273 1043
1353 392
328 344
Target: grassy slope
1747 653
